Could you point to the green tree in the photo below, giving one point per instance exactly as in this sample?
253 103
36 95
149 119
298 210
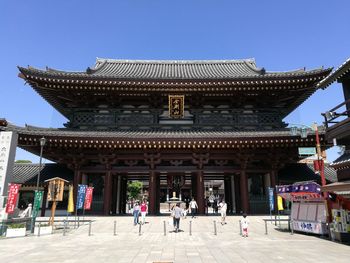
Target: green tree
134 189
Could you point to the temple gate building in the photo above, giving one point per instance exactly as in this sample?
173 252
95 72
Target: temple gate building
175 125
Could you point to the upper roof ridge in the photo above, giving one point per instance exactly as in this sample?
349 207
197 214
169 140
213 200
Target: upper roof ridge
175 61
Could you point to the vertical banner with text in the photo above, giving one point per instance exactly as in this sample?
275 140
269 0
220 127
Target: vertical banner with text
70 208
37 202
81 196
12 198
8 144
88 198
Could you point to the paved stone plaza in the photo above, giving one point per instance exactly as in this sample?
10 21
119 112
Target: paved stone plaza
153 246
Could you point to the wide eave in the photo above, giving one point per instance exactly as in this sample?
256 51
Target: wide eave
220 78
29 139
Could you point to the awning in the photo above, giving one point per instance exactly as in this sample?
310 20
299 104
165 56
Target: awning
300 191
336 187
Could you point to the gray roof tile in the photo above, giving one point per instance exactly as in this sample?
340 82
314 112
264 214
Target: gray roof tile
26 173
173 70
335 75
181 134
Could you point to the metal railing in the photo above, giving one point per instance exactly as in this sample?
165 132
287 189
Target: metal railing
8 223
63 225
333 117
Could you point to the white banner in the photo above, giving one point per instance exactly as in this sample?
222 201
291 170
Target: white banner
8 144
310 227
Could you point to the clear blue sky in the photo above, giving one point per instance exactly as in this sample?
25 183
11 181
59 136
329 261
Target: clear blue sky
69 35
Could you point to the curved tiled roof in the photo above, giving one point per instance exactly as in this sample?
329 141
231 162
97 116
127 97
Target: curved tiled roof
173 70
157 134
335 75
306 172
343 160
27 173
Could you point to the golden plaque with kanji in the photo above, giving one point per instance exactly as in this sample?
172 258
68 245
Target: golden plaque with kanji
176 106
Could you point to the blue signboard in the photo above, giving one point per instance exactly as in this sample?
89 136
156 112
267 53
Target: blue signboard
271 199
81 195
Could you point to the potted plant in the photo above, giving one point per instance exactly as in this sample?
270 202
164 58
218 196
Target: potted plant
16 230
45 229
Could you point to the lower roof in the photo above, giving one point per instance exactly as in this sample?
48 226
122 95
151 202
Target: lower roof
306 172
27 173
158 139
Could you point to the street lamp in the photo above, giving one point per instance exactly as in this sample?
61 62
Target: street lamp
37 196
294 130
42 144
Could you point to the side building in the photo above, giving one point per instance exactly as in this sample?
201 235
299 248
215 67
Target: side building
175 125
337 120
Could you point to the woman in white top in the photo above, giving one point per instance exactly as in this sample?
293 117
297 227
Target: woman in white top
193 207
223 209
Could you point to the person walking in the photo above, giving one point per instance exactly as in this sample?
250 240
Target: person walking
223 209
177 216
244 223
194 207
144 209
135 212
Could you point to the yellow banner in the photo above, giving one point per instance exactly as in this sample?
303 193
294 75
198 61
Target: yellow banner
280 203
70 208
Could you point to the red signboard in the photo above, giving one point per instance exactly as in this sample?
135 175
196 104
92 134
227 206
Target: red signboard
88 198
12 198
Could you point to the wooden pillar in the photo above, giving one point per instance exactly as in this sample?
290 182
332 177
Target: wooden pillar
123 194
158 194
273 178
228 193
76 181
346 91
194 186
200 192
107 193
273 182
152 188
119 195
244 192
114 194
238 199
233 195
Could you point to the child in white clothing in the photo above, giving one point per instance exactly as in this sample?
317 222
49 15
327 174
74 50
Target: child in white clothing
244 223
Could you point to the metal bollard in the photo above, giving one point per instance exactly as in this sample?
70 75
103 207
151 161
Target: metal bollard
115 228
265 228
89 228
78 221
39 229
164 228
140 229
64 227
240 227
215 231
190 227
291 227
